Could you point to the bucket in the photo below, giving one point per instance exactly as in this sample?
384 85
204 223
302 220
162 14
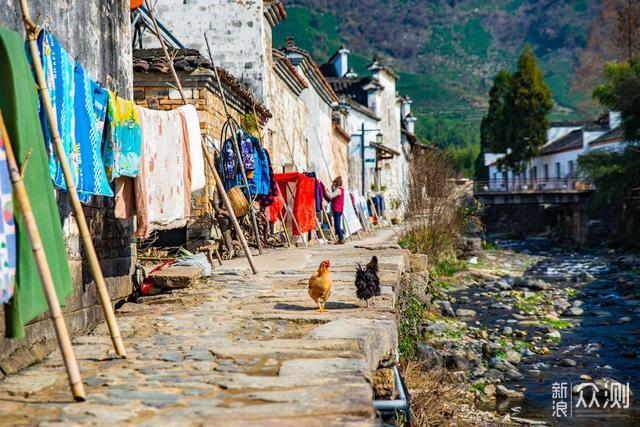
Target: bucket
238 202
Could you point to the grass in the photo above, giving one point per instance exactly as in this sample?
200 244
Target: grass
529 304
448 267
477 386
572 293
489 245
557 324
437 398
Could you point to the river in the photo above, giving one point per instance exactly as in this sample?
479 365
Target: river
574 319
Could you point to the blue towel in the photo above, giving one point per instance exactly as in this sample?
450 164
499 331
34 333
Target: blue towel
80 106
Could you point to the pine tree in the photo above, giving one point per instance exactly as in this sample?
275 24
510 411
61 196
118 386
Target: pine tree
526 112
494 129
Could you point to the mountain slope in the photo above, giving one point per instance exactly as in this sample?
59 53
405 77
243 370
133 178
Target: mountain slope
447 52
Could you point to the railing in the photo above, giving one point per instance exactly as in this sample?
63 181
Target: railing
571 185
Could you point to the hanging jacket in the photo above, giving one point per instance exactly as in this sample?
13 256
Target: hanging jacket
261 175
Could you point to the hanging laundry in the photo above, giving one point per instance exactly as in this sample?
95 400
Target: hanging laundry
268 199
121 152
7 231
261 180
196 157
90 111
303 189
163 195
80 106
19 105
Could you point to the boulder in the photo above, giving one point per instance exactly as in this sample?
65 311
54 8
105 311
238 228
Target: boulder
429 356
465 312
445 308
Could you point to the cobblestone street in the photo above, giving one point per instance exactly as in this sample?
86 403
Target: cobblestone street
237 349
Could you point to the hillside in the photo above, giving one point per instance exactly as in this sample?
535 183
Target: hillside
447 52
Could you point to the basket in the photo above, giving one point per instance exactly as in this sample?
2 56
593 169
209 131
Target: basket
238 202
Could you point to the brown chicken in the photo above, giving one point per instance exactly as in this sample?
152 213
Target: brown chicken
320 284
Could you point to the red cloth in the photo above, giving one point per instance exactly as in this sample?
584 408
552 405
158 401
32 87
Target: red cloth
276 207
304 203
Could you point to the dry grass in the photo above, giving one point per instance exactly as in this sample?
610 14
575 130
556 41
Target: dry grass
441 398
437 397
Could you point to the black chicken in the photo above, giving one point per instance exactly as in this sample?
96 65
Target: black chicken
367 281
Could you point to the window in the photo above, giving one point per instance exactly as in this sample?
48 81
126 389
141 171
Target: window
558 170
534 172
546 171
571 169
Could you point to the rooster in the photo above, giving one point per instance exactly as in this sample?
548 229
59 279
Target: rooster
320 284
367 281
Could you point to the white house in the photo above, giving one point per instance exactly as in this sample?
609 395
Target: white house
556 165
381 120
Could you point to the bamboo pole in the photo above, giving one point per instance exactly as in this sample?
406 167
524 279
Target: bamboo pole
320 230
331 229
284 228
252 216
375 210
229 208
69 358
219 184
81 221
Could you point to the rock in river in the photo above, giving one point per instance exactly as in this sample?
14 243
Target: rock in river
464 312
570 363
429 356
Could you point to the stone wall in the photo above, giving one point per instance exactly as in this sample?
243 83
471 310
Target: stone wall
103 46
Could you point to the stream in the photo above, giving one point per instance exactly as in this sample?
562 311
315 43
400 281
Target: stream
572 320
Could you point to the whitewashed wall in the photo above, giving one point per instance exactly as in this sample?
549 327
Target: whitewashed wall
236 32
356 119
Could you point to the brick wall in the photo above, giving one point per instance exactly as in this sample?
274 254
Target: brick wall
152 90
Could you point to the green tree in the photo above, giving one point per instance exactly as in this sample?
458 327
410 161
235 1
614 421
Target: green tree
621 92
526 112
494 128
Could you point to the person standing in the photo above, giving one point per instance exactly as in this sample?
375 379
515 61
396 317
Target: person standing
336 196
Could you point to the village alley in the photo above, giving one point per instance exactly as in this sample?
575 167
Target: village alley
236 349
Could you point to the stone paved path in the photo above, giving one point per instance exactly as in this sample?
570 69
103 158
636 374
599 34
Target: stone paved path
235 350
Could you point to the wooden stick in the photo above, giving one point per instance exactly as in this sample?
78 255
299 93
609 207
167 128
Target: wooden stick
375 210
319 230
284 228
70 363
219 184
229 208
78 213
331 229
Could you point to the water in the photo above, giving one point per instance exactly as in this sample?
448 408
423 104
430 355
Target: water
605 343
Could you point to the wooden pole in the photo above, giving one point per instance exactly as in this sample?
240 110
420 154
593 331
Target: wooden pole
78 213
375 210
252 216
319 230
331 229
69 358
229 208
284 228
219 184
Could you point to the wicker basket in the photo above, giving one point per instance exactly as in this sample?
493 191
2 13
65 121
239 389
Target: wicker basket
238 202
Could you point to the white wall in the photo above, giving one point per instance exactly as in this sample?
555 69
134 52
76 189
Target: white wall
318 133
287 129
388 109
235 29
356 120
